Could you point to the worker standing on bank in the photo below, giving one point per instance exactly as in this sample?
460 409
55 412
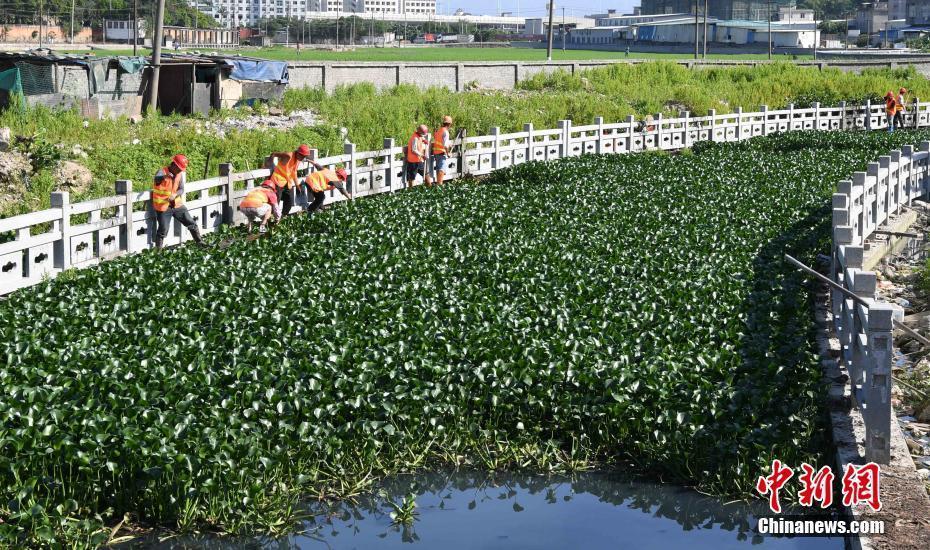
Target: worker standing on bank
168 200
259 204
442 143
284 175
323 180
416 156
900 101
891 107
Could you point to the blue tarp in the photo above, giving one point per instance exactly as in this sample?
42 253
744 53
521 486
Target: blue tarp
132 65
263 71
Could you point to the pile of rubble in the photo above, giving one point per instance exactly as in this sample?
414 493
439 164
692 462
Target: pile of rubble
899 281
274 120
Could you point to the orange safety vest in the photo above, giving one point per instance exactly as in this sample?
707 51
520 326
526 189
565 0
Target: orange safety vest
162 191
254 199
439 141
416 148
891 106
286 173
322 180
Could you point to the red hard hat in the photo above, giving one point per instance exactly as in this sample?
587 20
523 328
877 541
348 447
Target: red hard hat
303 150
903 90
341 174
268 183
180 161
889 94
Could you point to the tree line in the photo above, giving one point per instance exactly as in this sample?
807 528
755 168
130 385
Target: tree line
91 13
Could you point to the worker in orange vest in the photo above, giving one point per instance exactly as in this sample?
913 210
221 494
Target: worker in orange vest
891 107
323 180
284 175
442 142
168 200
259 204
899 108
417 148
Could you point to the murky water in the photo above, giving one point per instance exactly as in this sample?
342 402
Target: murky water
468 510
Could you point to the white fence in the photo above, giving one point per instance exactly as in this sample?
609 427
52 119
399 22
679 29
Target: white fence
861 206
73 235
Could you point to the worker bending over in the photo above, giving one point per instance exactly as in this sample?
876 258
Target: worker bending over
259 204
323 180
416 156
284 175
168 200
442 143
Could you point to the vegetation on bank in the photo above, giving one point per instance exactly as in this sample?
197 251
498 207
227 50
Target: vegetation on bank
521 322
120 150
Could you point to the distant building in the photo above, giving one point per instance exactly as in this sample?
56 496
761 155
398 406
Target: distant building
679 29
610 13
871 17
918 12
897 9
380 39
187 37
791 14
413 7
121 30
753 10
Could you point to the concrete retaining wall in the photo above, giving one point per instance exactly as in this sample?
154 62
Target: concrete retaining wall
506 75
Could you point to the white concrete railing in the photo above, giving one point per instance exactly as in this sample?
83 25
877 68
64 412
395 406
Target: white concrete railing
867 202
82 234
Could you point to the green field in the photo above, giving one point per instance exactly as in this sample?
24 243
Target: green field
447 54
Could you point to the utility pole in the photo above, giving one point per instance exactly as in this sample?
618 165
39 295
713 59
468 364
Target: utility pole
770 30
135 25
156 54
563 28
846 37
697 11
337 28
549 46
705 30
72 23
41 6
816 35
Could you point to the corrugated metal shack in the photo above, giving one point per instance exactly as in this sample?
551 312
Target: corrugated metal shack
195 83
113 86
99 86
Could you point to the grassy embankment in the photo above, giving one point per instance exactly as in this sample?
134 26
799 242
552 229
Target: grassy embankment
369 116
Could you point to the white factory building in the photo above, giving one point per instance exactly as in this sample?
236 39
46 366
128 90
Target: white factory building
231 13
800 31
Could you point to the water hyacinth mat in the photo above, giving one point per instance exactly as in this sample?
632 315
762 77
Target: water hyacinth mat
592 311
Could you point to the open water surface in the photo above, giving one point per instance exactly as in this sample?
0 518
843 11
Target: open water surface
470 510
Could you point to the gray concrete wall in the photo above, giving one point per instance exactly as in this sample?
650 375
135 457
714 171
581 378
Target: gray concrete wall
505 75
